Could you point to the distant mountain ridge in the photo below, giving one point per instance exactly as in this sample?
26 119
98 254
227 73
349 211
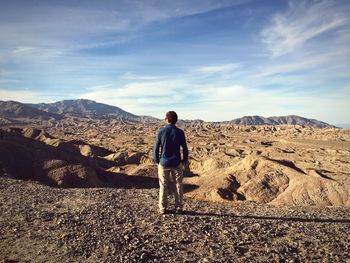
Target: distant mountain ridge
13 111
85 108
16 111
90 108
280 120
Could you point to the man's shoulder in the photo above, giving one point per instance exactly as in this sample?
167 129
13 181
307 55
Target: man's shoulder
170 128
179 130
160 130
163 129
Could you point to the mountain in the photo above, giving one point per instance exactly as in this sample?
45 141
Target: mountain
280 120
13 110
89 108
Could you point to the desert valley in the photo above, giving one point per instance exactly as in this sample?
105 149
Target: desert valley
78 183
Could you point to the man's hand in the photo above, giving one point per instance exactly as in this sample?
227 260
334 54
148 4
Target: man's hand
184 164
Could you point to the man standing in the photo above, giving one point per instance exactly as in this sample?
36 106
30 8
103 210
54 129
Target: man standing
169 140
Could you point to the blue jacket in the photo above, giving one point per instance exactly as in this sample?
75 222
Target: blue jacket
169 139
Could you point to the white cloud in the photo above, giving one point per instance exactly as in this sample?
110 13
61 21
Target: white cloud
142 97
303 21
43 45
25 96
47 32
65 26
98 87
216 93
305 71
213 69
238 101
28 53
208 102
9 80
288 67
132 76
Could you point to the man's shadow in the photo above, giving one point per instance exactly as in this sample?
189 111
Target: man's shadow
282 219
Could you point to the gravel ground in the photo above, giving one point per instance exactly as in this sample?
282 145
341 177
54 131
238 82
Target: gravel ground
43 224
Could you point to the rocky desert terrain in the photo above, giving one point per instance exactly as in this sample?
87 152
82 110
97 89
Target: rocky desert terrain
84 189
44 224
282 165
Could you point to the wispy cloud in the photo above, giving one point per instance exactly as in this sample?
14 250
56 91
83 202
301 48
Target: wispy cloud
303 21
289 67
151 56
213 69
213 103
56 31
9 80
132 76
68 26
229 102
25 96
140 97
28 53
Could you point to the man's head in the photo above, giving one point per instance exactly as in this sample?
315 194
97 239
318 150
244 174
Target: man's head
171 117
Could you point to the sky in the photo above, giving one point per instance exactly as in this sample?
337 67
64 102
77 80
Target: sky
213 60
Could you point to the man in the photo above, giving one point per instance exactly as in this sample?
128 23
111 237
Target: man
169 140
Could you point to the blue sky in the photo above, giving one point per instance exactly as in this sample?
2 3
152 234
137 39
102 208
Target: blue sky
206 59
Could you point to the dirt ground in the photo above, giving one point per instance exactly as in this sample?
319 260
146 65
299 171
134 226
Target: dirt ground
44 224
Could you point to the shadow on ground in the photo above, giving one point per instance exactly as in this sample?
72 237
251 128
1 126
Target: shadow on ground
285 219
63 166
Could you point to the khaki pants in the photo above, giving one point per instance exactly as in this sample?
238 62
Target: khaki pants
164 175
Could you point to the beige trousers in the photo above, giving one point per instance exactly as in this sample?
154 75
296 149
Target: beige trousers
166 175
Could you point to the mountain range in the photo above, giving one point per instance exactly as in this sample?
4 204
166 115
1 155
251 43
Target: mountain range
12 111
280 120
89 108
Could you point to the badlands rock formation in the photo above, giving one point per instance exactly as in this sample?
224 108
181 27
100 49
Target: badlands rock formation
28 153
280 165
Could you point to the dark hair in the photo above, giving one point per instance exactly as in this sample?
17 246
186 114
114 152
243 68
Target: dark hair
171 116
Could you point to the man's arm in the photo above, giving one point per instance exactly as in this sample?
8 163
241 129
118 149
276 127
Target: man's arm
156 149
184 149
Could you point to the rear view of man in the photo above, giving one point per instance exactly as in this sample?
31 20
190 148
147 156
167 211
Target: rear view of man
168 157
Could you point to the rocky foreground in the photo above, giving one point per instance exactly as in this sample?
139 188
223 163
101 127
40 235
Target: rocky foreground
43 224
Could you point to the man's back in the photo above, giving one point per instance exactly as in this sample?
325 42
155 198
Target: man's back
169 139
